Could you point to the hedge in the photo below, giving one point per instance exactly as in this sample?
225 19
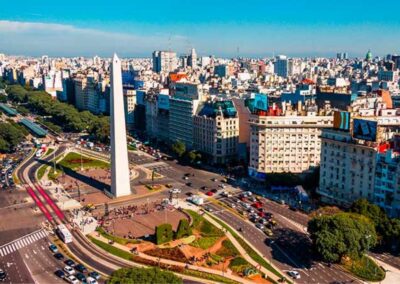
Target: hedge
163 233
183 230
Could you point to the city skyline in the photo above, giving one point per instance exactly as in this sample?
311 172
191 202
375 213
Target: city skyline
261 29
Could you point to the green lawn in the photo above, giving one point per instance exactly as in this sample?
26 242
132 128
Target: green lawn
252 253
209 276
116 239
111 249
41 171
366 269
73 162
227 249
238 264
49 151
204 242
205 228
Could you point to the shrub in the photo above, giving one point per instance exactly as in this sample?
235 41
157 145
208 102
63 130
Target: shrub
143 275
183 230
204 242
163 233
227 249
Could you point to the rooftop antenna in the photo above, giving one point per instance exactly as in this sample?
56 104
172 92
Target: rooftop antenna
238 52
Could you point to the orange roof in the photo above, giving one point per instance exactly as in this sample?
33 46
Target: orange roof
175 77
308 81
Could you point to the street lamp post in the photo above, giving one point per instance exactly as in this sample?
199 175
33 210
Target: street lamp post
54 162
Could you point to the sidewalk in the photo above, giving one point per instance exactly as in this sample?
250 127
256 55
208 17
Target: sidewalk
392 273
172 262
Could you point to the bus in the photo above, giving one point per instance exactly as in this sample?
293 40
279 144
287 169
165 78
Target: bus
64 234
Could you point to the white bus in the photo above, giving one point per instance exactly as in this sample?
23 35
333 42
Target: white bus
64 234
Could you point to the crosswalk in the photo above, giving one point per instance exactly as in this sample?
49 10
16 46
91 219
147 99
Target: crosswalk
22 242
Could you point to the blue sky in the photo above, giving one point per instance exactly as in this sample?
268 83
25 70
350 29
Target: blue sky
256 27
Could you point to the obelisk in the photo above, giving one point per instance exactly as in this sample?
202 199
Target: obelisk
120 182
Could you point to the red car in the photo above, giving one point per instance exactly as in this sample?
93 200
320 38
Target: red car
257 205
210 193
261 214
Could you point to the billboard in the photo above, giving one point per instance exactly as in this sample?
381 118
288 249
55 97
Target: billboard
140 97
163 101
261 102
341 120
364 129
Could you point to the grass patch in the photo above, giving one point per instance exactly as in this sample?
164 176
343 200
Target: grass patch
41 171
205 228
73 161
49 151
252 253
131 148
204 242
111 249
366 269
227 249
116 239
239 264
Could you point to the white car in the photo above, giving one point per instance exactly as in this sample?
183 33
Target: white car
91 280
69 270
175 190
294 274
233 205
72 279
261 227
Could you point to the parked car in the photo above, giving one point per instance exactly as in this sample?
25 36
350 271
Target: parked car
210 193
69 270
260 226
3 275
53 248
81 268
81 277
59 273
91 280
268 232
72 279
209 209
214 190
94 275
70 262
59 256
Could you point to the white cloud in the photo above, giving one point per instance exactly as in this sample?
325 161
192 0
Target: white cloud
66 40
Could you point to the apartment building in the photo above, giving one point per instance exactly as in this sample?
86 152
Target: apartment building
288 143
216 131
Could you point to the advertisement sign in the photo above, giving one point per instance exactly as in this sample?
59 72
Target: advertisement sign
257 175
364 129
261 102
163 101
341 120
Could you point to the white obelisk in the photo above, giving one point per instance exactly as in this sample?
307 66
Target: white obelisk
120 182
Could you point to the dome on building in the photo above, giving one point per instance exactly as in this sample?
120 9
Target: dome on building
369 55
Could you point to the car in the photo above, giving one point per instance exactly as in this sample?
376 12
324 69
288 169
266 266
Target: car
293 208
188 184
268 232
257 205
294 274
251 210
253 219
185 178
94 275
204 187
262 221
175 190
72 279
233 205
91 280
209 209
210 193
260 226
168 185
189 193
70 262
3 275
53 248
214 190
81 268
59 273
81 277
59 256
69 270
214 179
222 185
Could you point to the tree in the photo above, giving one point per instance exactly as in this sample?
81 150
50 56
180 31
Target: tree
163 233
10 136
193 156
179 148
3 98
342 235
152 275
183 230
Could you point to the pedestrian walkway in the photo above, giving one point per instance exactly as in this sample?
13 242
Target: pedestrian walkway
22 242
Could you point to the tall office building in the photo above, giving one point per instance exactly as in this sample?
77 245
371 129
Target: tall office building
192 62
281 66
120 182
164 61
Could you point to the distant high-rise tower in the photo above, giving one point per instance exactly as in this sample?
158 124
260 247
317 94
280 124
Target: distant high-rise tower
164 61
281 66
120 182
193 58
